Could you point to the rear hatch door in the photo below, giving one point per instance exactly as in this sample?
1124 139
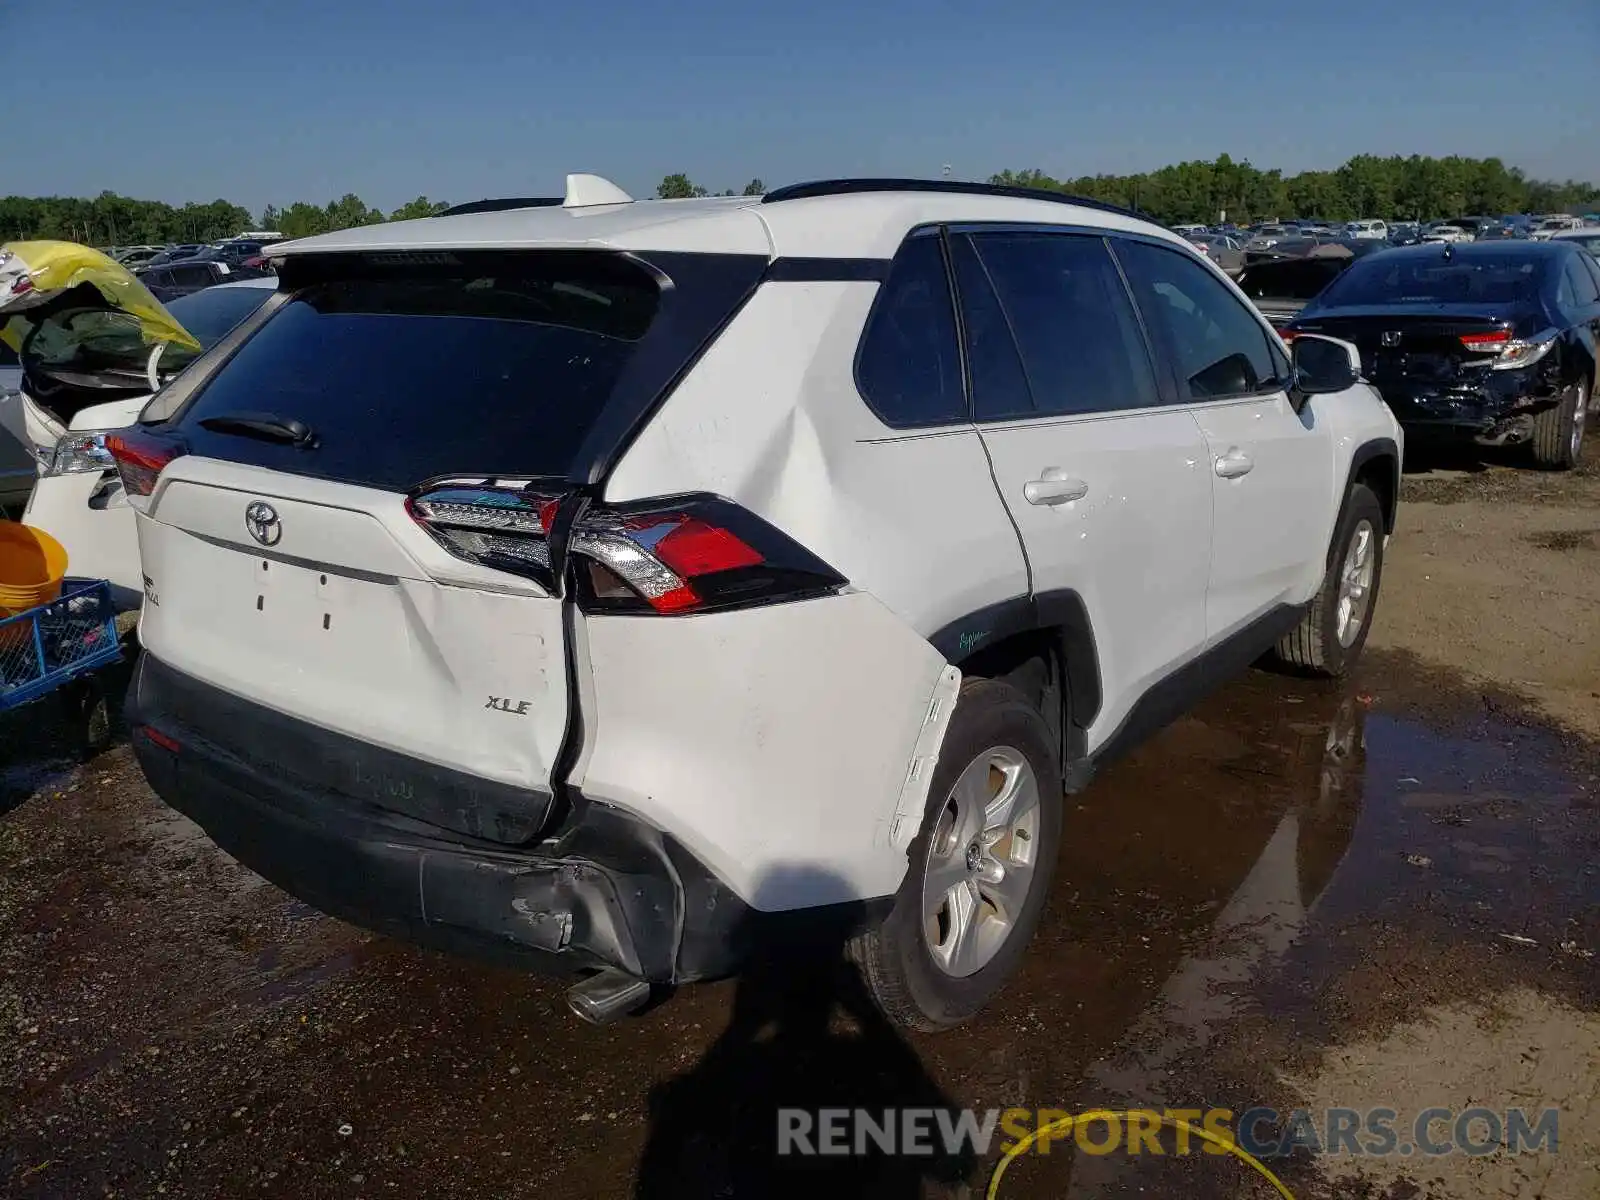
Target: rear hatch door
410 679
300 555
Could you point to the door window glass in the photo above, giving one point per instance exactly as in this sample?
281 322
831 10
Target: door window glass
1079 338
999 386
1217 347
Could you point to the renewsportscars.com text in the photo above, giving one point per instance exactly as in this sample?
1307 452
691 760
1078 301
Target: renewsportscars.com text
1263 1132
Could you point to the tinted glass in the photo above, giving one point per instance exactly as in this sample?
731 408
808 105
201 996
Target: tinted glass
999 386
1593 267
910 364
1292 279
1081 346
1215 343
1506 276
499 367
1579 283
1590 242
211 313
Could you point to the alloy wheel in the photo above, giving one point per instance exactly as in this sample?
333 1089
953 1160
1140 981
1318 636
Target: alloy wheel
1355 582
1580 414
981 860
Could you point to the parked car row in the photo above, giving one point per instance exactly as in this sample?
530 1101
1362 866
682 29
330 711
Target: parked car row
1262 237
178 270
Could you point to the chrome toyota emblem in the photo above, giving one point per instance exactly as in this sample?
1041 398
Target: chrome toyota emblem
261 519
1391 337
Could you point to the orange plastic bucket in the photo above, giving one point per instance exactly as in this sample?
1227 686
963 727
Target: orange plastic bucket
32 566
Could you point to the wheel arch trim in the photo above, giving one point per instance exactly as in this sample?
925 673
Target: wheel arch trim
1060 615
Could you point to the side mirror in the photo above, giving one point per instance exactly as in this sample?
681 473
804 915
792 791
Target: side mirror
1324 364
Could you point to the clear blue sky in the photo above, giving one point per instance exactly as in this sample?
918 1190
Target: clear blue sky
459 99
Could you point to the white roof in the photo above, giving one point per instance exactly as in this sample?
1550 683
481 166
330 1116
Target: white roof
850 225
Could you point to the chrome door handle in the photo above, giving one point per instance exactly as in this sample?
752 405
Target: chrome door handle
1054 487
1234 464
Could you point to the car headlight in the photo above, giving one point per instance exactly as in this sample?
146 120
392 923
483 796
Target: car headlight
76 453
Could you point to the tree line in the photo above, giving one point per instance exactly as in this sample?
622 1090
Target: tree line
112 220
1394 188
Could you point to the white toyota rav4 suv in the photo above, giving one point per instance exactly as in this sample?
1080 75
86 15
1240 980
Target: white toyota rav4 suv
605 585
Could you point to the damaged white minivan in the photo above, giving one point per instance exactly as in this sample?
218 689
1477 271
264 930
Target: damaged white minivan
626 588
92 345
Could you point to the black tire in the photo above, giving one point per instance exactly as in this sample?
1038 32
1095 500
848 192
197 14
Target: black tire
84 706
1314 646
895 959
1558 432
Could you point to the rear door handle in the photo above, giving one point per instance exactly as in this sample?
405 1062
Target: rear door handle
1234 464
1054 487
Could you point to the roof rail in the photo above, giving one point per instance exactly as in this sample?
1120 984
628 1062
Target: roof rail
504 205
845 187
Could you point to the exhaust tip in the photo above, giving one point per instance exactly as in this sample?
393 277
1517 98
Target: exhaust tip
603 997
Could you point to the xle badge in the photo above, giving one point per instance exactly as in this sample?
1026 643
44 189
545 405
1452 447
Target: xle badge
516 708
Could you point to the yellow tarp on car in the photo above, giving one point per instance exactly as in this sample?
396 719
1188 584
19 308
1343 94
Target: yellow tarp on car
33 273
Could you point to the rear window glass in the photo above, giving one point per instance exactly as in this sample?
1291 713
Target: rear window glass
499 367
1297 279
1429 279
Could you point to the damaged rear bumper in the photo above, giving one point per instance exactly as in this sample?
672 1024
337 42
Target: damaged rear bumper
1497 409
607 891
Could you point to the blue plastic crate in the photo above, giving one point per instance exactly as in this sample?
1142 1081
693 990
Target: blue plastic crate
44 647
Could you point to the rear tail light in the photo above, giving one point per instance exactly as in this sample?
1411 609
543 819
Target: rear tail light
77 453
501 527
1519 352
695 554
1493 340
140 456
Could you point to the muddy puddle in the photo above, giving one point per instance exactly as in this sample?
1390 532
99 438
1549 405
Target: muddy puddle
1249 910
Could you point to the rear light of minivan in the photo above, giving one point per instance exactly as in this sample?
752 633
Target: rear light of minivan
140 456
686 555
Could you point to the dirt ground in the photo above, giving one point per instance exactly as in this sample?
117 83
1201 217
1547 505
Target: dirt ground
1384 893
1496 573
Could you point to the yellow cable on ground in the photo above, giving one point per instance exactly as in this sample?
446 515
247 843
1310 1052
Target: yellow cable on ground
1101 1114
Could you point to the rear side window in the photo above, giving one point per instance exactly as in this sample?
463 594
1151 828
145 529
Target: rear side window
909 367
1578 287
1216 345
488 365
1074 325
1593 267
999 386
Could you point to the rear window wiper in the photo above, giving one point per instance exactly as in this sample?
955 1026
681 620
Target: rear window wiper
269 427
